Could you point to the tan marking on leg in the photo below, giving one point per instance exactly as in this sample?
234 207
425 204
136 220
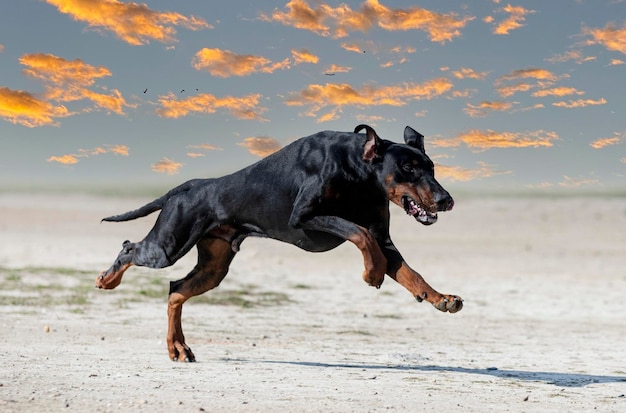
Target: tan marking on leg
109 281
421 290
214 257
374 260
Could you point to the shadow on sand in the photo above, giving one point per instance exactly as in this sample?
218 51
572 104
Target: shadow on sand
554 378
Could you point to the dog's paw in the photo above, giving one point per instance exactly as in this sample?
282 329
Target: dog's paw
373 279
449 303
181 352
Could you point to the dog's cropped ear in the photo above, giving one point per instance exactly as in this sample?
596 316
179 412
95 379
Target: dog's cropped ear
372 143
414 138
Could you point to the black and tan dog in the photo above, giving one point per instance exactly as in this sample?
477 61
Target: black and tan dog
315 193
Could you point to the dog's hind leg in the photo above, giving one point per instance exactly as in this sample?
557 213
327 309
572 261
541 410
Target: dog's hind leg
214 258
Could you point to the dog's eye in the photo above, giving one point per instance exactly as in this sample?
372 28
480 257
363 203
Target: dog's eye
407 167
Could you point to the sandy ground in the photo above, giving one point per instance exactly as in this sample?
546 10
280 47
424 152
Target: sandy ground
543 328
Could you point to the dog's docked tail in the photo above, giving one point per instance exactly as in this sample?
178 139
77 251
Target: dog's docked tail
153 206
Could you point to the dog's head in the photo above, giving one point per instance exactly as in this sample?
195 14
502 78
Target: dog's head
407 174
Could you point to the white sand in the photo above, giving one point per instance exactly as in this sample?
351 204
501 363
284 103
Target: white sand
543 327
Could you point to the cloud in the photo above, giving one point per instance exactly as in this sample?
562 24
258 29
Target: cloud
530 73
201 147
479 140
72 80
580 103
512 82
167 166
245 107
304 56
261 146
205 147
467 73
1 48
73 158
611 37
23 108
517 15
569 182
575 55
483 108
614 140
337 96
338 69
131 22
455 173
339 21
616 62
352 47
557 91
510 90
64 159
224 63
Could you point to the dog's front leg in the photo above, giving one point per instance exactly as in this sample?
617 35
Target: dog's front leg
410 279
421 290
373 258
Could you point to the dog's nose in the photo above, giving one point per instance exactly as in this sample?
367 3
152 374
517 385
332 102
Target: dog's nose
445 202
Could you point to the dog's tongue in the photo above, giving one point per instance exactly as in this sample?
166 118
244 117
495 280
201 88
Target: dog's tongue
413 208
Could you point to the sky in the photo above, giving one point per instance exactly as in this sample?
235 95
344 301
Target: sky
512 96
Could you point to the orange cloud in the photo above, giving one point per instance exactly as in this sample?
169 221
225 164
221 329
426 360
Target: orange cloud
455 173
402 50
575 55
337 96
602 142
72 158
532 73
483 140
580 103
304 56
131 22
261 146
480 110
338 21
22 108
514 21
71 80
224 63
611 37
569 182
466 73
544 78
616 62
64 159
338 69
245 107
510 90
558 91
202 147
352 47
205 147
1 48
167 166
195 155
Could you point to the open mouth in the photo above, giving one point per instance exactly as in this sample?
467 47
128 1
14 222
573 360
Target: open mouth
414 209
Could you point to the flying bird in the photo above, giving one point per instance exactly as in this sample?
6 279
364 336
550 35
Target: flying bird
145 90
329 74
182 90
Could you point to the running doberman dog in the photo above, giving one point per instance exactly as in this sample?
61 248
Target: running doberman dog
315 193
